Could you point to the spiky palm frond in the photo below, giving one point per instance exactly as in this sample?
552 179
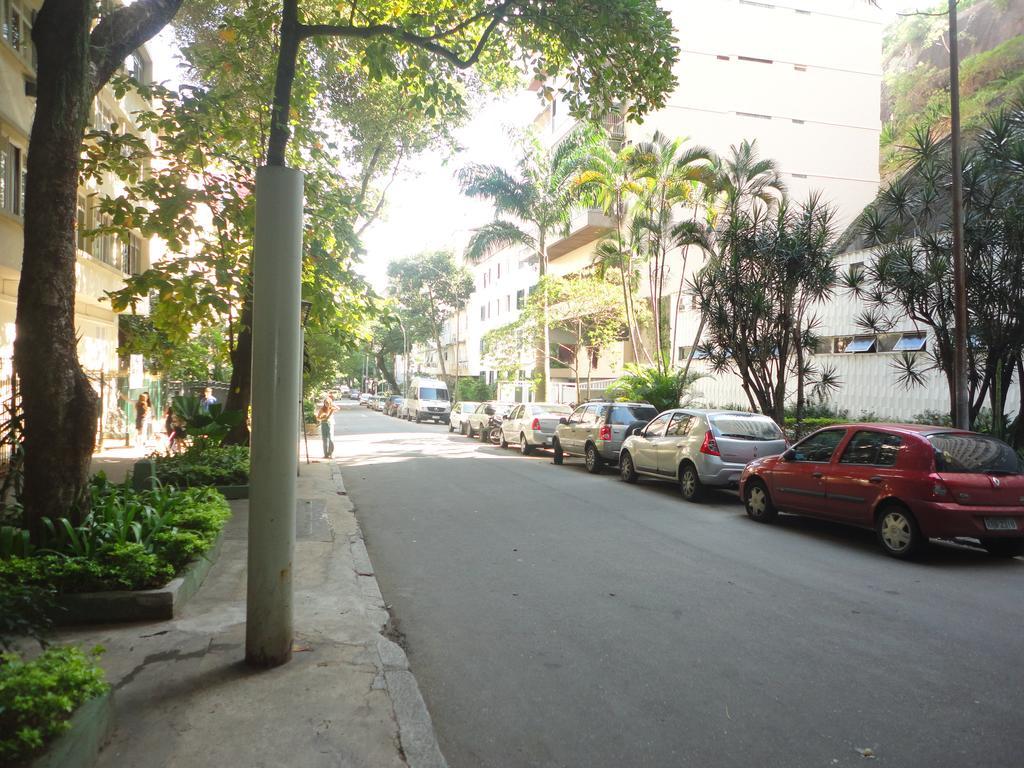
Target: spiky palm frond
491 182
494 236
909 371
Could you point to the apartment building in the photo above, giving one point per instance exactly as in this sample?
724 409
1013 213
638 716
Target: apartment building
502 282
103 262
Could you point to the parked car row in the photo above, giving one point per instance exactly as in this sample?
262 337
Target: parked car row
907 483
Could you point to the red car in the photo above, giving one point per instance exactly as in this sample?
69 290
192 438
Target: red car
907 482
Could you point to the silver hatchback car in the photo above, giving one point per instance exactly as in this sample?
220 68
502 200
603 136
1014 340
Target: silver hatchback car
699 448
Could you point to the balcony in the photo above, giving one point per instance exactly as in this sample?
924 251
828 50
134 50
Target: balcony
585 226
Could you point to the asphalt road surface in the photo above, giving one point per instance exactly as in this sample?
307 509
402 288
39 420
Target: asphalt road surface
554 618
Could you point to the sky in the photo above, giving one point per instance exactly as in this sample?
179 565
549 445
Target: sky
425 209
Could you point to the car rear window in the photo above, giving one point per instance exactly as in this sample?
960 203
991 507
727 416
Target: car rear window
560 410
753 427
627 414
958 452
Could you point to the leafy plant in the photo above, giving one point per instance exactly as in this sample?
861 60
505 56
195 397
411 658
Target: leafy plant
37 697
213 423
23 612
663 389
129 540
204 464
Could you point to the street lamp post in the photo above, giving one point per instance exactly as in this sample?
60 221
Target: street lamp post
277 280
405 355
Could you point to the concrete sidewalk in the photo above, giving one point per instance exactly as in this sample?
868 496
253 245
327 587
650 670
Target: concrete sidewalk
184 697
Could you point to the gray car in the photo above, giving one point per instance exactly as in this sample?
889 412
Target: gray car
595 431
699 448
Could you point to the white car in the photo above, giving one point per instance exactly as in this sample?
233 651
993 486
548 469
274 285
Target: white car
478 423
532 425
457 420
365 398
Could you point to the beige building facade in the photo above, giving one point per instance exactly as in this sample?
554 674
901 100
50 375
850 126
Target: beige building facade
103 261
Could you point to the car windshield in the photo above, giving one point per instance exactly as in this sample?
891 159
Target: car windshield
963 452
432 393
743 427
627 414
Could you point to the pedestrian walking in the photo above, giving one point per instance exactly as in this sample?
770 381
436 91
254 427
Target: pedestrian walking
143 419
325 415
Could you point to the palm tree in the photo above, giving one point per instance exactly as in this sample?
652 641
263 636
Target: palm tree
741 182
531 204
610 180
674 174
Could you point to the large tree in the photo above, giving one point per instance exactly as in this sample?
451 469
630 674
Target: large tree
430 289
911 275
79 48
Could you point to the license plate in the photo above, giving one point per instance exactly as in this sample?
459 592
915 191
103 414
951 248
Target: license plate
1000 524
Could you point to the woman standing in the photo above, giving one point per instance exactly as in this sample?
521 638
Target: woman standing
325 415
143 419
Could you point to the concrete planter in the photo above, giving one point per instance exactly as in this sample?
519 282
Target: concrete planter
233 492
139 605
78 747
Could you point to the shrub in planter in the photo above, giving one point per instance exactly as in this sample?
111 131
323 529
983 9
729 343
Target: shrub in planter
129 540
37 697
204 464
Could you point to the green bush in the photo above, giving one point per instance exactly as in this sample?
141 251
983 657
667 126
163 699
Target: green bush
23 611
662 389
204 464
37 697
129 540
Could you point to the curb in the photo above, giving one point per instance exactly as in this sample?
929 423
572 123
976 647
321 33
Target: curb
79 746
137 605
415 727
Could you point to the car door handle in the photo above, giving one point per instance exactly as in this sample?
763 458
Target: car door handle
875 479
818 475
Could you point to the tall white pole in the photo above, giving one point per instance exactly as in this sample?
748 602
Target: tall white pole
277 272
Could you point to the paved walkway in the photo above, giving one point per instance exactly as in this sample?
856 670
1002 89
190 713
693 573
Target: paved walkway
184 697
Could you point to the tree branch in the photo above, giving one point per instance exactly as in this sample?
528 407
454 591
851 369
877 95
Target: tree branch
426 42
122 31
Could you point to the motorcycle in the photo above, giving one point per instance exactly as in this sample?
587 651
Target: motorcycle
491 433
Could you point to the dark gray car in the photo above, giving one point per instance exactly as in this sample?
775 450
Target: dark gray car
596 430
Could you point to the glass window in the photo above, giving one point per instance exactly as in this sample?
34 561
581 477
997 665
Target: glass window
860 345
877 449
966 452
517 412
741 427
910 342
577 415
593 414
681 425
657 427
819 447
627 414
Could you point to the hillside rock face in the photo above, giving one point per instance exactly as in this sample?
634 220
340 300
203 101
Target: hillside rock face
915 72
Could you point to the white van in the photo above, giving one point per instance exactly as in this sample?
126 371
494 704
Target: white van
428 400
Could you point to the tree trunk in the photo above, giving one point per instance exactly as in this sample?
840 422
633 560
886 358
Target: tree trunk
240 391
59 403
382 366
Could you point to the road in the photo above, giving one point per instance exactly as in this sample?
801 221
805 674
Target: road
554 618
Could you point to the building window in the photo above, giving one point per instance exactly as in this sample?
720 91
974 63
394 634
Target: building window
910 342
12 179
723 58
755 60
800 67
82 223
593 357
520 299
483 312
508 303
856 268
499 271
754 114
